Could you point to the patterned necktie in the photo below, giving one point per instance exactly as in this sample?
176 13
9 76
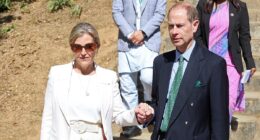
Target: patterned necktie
173 94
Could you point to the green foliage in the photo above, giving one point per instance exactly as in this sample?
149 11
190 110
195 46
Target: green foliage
54 5
5 5
5 30
76 10
24 7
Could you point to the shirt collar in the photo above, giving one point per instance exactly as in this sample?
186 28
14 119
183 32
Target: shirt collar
186 55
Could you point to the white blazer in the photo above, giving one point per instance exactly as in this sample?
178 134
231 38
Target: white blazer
56 115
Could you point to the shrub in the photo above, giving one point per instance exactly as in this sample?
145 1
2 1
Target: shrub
54 5
5 5
5 30
76 10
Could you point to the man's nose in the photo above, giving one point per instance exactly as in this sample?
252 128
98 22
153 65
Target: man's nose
174 31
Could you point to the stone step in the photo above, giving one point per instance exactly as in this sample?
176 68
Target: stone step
117 130
252 103
255 45
254 29
254 15
244 128
252 4
257 61
254 83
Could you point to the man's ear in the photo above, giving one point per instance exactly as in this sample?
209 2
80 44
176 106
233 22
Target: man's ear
195 25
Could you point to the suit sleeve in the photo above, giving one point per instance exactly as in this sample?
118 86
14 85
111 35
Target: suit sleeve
47 111
155 22
117 13
155 91
219 100
244 37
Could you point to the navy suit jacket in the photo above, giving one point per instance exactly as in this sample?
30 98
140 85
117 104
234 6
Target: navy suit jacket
201 108
238 33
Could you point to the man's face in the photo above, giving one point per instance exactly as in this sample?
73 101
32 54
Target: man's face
181 30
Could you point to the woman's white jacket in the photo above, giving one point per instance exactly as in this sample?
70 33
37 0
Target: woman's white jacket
56 117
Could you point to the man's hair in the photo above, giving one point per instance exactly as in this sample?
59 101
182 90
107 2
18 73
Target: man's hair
192 12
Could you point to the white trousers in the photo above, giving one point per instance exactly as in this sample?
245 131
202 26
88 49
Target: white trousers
128 86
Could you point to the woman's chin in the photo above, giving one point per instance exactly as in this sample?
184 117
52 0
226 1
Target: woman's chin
84 63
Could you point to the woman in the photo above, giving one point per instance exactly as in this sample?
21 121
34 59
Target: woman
83 98
224 28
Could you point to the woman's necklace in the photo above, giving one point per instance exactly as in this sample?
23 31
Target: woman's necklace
85 81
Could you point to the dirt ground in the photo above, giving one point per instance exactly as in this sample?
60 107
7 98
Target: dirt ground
40 40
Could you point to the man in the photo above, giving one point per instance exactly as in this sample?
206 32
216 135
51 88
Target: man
190 85
138 44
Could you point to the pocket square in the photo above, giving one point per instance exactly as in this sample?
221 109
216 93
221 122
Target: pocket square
198 84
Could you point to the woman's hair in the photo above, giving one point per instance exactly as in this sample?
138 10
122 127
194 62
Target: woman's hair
84 28
210 3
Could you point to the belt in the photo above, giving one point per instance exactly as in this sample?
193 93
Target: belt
81 127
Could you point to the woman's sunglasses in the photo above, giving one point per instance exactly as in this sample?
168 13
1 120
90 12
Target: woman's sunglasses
90 47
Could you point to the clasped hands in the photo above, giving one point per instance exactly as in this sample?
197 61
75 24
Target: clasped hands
144 113
137 38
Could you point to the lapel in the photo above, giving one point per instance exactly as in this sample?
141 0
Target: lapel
232 14
166 75
144 2
190 76
62 90
135 5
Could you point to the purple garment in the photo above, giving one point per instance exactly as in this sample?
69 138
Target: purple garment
218 43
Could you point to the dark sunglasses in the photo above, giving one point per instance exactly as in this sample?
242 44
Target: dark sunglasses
90 47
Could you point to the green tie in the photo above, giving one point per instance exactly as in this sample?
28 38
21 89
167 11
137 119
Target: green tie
173 94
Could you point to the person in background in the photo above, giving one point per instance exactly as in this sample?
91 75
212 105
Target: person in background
139 42
82 99
190 85
224 29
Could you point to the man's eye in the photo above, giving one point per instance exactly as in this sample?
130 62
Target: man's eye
171 26
179 26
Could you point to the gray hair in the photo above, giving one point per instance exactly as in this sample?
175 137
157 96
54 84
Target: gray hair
84 28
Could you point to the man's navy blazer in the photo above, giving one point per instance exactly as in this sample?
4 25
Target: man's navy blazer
201 108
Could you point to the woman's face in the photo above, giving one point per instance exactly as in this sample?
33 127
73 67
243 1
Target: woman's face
84 50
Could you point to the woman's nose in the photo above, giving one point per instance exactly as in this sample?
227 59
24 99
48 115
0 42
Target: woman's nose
83 51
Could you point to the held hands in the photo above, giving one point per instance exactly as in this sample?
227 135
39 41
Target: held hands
137 38
144 113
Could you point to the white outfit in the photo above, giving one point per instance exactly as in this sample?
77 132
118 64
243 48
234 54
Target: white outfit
73 100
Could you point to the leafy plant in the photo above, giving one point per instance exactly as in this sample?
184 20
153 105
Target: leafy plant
54 5
24 7
76 10
5 30
5 5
